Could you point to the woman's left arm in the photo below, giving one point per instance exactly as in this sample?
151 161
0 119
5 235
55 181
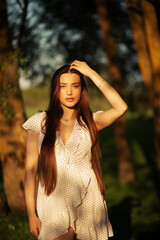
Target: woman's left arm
119 107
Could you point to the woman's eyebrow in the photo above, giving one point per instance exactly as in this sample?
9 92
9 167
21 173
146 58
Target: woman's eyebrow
76 83
72 83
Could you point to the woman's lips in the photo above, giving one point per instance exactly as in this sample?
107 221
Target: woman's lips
69 99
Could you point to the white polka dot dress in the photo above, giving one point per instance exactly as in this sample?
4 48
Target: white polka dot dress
76 200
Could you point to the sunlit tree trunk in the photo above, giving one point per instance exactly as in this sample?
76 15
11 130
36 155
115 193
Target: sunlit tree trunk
125 164
12 137
144 23
137 24
153 39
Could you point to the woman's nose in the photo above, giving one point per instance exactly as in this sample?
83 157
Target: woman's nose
69 91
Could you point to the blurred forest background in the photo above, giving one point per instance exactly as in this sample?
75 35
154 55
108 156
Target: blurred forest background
120 39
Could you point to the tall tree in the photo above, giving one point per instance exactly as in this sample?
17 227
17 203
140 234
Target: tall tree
12 137
143 20
153 40
125 164
137 25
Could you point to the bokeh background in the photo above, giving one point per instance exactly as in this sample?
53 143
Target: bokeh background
120 39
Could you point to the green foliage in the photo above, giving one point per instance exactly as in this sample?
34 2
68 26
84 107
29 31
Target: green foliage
14 226
133 208
35 98
9 86
6 108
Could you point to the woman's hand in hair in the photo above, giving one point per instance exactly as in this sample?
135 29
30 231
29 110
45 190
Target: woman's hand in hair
81 67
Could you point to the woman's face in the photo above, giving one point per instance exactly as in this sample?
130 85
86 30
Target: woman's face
70 89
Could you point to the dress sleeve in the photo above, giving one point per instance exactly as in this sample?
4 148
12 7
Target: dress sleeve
34 122
94 114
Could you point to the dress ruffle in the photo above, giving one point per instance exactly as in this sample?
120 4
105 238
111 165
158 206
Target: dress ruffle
94 225
52 225
75 206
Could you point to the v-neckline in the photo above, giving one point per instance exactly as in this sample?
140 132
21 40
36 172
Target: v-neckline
64 144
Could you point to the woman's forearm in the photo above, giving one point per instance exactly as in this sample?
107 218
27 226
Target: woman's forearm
30 186
109 92
31 171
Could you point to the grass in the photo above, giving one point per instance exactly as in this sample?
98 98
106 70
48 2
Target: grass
14 226
35 98
134 209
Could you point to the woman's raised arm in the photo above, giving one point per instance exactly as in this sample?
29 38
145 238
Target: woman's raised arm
119 107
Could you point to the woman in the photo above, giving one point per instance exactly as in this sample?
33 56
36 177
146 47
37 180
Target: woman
62 146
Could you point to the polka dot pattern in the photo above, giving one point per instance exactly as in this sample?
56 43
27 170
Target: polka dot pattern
34 122
76 200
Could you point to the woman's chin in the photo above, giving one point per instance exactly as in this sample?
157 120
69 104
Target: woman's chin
70 105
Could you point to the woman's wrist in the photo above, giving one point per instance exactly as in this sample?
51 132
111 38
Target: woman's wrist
31 213
99 86
96 78
91 74
31 216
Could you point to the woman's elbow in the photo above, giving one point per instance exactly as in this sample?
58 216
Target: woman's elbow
124 109
30 174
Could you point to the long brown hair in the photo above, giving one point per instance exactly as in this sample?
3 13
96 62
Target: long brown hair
54 112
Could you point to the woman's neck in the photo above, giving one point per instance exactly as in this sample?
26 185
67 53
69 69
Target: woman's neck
69 114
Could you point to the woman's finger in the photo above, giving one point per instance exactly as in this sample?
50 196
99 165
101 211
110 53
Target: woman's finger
39 228
76 62
35 233
73 66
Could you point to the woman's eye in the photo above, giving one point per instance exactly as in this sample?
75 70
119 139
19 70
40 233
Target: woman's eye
62 86
76 86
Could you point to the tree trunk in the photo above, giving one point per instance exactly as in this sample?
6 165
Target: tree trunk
2 205
145 28
138 30
12 137
153 39
125 163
